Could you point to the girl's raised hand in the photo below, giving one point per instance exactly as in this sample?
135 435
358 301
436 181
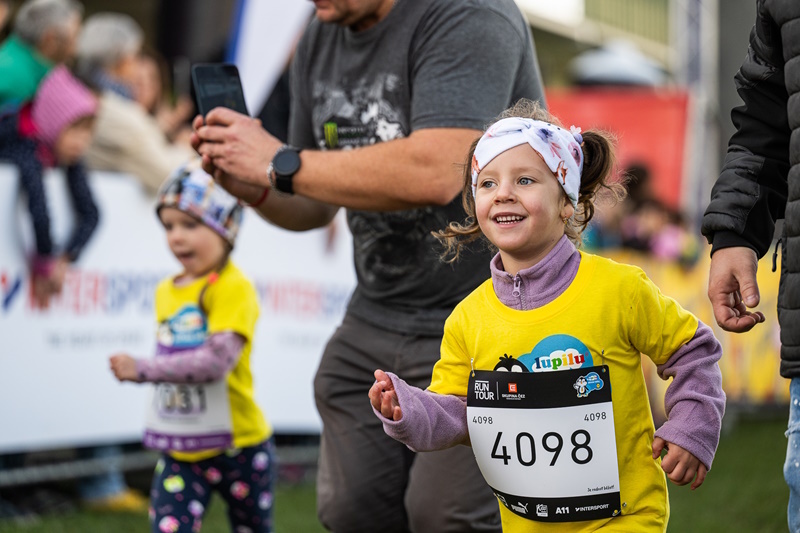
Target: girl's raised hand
124 367
383 397
679 464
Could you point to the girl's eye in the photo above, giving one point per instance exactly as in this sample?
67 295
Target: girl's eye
487 184
525 180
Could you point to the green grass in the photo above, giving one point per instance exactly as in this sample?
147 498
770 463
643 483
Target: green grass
745 492
295 513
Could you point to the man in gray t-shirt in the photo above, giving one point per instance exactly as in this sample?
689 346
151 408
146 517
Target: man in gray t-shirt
387 96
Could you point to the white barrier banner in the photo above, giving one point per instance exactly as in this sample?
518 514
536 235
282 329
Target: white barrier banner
56 388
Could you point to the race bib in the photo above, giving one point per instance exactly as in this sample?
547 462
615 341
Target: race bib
545 442
189 417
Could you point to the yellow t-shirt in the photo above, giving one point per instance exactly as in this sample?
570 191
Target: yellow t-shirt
230 304
610 311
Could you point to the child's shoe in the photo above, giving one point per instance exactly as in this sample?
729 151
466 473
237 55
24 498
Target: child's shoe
127 501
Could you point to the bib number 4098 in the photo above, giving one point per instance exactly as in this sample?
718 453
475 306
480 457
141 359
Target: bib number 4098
552 442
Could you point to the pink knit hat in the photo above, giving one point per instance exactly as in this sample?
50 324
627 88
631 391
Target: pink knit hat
60 101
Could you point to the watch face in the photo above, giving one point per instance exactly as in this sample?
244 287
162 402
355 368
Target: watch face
286 162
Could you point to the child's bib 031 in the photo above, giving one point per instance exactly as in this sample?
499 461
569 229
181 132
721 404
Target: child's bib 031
187 417
545 442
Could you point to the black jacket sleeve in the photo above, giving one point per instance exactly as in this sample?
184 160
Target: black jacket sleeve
750 193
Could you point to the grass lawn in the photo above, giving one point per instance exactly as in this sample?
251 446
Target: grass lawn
295 513
745 492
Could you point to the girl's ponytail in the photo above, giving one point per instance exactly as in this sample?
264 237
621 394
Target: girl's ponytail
598 166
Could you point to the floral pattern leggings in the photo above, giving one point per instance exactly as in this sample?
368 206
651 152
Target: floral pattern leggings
242 476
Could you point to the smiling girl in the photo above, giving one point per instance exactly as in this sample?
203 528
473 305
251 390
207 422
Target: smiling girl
203 415
540 368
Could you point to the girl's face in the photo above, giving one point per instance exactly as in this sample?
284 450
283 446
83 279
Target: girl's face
520 207
73 141
199 248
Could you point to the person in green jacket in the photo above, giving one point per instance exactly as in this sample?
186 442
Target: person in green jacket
44 34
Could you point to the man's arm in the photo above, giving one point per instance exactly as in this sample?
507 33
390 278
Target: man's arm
421 169
750 193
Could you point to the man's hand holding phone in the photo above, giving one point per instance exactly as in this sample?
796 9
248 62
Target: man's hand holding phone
236 150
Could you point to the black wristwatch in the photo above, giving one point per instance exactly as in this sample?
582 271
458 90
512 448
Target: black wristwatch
283 168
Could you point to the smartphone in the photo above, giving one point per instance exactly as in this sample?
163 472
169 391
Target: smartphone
217 85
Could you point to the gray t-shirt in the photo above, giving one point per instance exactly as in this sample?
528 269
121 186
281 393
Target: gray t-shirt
428 64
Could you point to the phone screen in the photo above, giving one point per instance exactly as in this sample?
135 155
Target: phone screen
217 85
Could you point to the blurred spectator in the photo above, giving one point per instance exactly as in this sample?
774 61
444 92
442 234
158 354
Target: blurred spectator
643 223
654 228
44 34
53 130
639 184
5 9
127 138
108 49
152 90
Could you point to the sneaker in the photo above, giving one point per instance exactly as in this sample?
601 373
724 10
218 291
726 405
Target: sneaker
127 501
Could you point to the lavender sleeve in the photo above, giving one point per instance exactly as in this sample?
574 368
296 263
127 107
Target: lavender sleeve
430 421
208 362
694 401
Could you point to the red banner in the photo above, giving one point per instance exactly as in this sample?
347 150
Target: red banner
650 127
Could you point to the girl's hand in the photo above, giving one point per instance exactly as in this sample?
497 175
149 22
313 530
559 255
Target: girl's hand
383 397
124 367
679 464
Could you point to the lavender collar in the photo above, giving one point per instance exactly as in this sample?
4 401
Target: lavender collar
540 284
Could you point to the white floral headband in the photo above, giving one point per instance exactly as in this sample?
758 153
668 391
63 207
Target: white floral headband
560 149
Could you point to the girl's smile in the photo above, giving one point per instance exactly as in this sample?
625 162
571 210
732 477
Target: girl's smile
520 207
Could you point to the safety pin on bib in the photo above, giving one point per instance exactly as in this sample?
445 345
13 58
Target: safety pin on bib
472 365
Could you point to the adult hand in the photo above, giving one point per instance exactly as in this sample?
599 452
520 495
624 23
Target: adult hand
732 288
124 367
236 150
383 397
679 464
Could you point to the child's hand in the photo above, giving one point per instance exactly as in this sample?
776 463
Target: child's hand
384 398
124 367
679 464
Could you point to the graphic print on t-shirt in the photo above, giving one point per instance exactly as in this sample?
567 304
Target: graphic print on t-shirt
362 116
394 249
185 329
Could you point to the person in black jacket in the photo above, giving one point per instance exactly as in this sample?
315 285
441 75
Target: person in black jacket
759 184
